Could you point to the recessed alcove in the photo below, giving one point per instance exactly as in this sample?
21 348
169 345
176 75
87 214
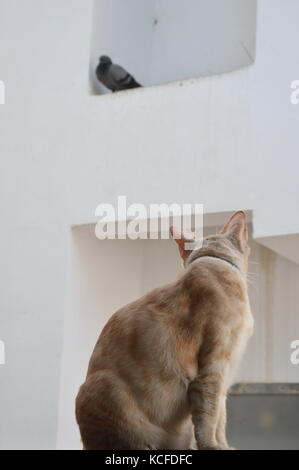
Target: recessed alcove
161 41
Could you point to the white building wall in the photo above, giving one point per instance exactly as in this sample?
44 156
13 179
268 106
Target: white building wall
226 141
198 38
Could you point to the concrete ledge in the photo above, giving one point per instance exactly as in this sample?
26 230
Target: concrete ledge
265 389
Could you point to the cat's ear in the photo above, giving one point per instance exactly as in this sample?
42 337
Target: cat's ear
182 239
237 227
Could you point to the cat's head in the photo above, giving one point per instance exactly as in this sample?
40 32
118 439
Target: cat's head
231 243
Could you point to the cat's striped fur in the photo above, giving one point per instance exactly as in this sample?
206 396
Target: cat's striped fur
160 371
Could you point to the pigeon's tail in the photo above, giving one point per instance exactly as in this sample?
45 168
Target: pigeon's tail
133 84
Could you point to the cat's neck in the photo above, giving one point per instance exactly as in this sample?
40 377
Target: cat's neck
233 262
223 258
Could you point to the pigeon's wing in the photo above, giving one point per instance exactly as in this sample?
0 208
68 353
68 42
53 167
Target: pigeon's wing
121 77
118 73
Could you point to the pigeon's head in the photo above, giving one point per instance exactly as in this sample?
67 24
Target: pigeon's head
104 59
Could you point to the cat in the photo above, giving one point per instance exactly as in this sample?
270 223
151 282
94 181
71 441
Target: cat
159 374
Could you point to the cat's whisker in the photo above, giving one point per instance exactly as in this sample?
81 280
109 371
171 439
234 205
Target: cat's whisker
253 275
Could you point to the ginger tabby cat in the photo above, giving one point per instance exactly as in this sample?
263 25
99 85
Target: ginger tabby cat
160 371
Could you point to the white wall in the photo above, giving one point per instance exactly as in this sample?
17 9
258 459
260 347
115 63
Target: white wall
274 297
44 67
226 141
199 37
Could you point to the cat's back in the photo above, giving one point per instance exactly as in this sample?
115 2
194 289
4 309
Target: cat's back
137 333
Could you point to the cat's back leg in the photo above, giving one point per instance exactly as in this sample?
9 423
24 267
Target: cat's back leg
109 418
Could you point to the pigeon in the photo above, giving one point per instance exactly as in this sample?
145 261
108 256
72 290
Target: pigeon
113 76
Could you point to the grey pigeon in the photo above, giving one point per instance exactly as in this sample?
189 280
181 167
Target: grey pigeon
113 76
